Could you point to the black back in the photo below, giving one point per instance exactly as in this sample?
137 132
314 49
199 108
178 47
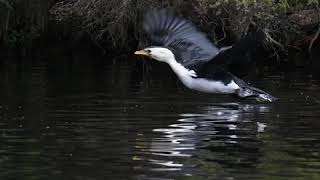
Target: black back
234 60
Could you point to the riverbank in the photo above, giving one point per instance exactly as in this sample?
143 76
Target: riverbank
115 26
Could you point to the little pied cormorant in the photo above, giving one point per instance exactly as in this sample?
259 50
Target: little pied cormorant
197 62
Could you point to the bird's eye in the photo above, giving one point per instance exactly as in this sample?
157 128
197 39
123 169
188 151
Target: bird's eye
148 51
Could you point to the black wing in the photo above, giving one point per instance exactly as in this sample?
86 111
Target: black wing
238 59
189 45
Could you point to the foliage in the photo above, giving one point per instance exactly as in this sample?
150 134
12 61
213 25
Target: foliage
118 21
236 15
113 20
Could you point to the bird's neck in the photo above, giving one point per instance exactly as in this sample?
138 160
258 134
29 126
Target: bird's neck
184 74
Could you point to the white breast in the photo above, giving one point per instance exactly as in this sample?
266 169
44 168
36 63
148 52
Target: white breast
210 86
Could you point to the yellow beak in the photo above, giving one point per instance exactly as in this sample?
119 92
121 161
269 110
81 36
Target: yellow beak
142 52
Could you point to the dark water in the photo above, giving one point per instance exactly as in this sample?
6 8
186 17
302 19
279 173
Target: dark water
102 119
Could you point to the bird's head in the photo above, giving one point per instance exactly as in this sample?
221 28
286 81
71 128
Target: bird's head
157 53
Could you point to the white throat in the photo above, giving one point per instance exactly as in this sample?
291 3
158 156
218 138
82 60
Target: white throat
180 70
188 78
184 74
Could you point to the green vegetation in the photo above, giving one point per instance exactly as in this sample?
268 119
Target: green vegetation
117 23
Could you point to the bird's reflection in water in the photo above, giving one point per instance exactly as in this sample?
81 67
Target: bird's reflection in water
210 132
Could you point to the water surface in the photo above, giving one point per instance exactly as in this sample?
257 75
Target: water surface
112 119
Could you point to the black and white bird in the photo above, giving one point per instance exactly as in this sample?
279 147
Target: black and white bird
197 62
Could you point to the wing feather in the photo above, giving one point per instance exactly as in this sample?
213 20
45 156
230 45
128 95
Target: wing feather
189 45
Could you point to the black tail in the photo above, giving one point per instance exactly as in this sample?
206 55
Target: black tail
247 91
258 94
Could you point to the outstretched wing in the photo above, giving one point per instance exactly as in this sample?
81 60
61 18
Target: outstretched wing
240 58
189 45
